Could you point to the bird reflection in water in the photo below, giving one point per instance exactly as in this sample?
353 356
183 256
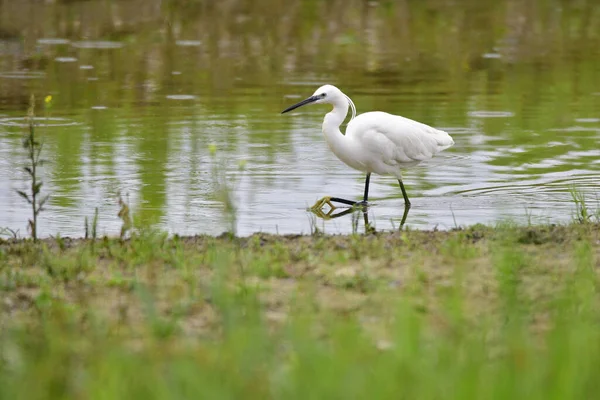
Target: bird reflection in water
333 212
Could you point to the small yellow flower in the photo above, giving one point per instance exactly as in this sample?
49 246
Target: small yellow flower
212 149
48 99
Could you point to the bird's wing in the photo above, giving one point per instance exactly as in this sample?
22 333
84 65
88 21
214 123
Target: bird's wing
397 139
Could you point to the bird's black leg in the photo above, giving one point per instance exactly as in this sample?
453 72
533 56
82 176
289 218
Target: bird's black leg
366 196
406 200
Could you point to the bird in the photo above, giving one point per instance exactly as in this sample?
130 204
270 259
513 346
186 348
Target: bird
374 142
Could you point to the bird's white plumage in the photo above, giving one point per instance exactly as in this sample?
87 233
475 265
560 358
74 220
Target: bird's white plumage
377 141
390 142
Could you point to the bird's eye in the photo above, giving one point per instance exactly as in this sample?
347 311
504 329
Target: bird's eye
324 95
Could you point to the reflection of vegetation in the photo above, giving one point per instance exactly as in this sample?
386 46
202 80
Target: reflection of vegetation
124 215
225 181
91 230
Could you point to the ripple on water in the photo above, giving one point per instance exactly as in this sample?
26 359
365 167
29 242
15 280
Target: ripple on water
53 41
65 59
576 129
490 114
492 55
43 121
22 74
458 130
181 96
188 43
587 120
98 44
582 153
448 159
548 185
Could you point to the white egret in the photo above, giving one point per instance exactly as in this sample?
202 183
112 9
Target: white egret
374 141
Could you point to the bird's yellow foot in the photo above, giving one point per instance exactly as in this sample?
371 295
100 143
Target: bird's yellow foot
318 206
322 214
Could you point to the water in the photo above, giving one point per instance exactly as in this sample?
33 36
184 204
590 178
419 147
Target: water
142 91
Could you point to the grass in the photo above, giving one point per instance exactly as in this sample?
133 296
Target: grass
504 312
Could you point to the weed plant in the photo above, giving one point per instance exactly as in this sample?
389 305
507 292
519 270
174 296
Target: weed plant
34 196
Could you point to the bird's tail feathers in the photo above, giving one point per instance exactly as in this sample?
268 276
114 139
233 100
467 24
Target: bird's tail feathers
444 140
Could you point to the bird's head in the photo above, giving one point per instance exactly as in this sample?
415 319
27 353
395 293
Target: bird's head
326 94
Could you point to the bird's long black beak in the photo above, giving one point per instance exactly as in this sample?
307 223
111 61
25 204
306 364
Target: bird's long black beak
303 102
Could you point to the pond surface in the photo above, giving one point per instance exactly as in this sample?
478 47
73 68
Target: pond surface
176 106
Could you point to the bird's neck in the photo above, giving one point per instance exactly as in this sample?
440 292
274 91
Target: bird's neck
331 125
